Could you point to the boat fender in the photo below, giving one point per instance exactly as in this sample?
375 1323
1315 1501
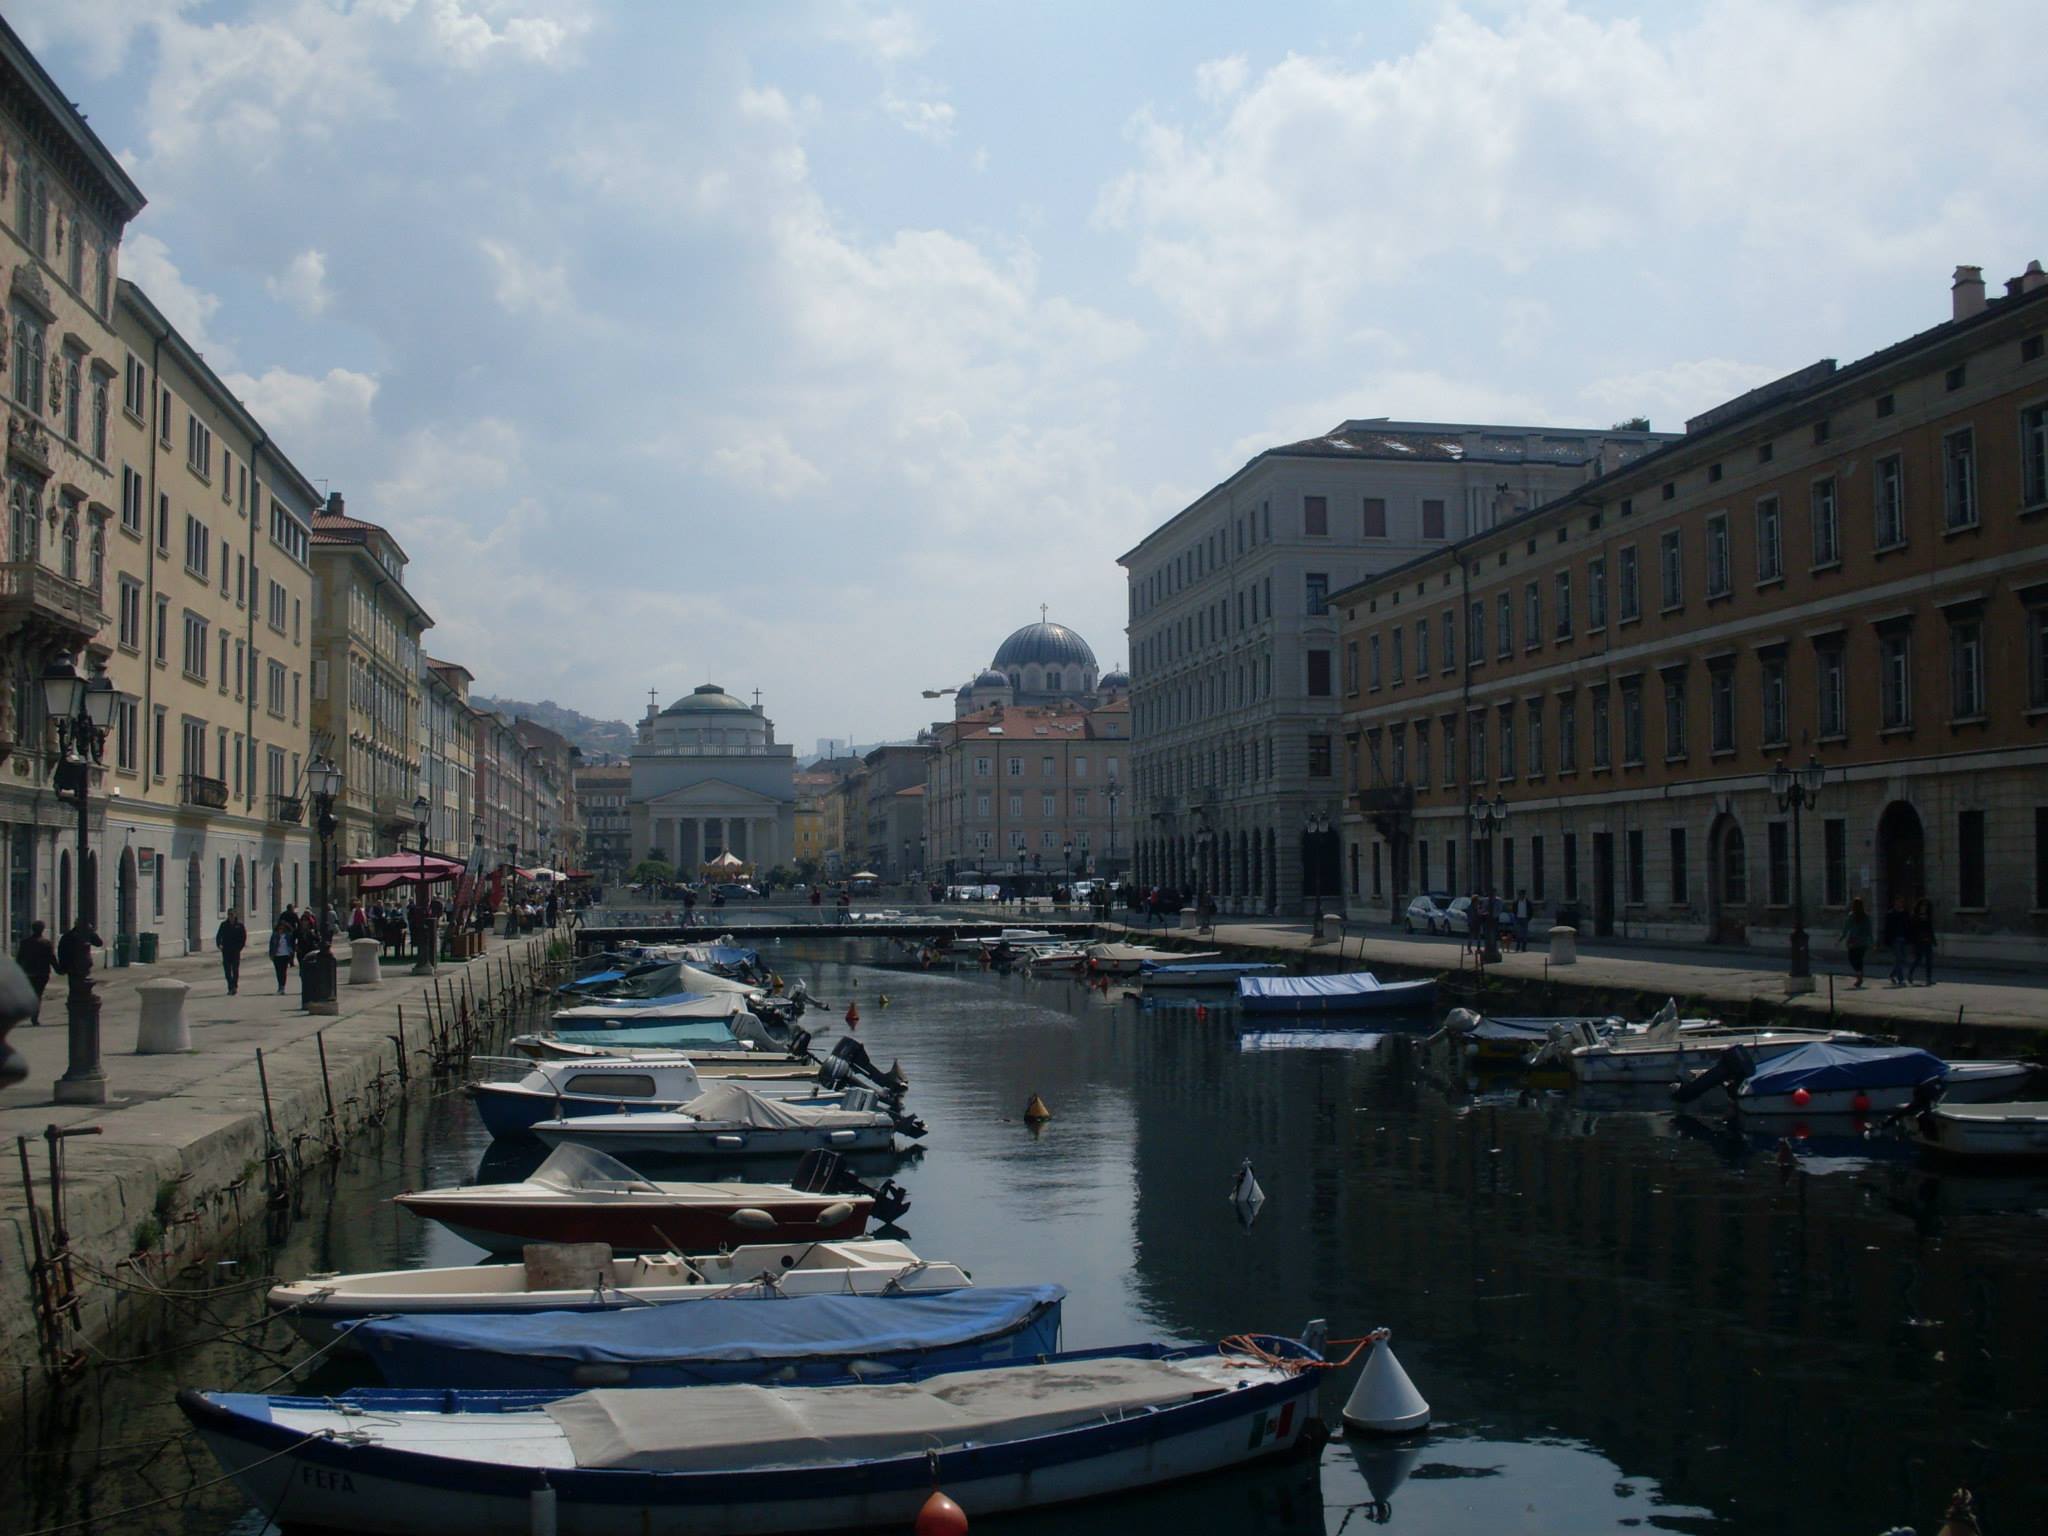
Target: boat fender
835 1213
1245 1195
1861 1103
940 1516
751 1216
1801 1097
540 1510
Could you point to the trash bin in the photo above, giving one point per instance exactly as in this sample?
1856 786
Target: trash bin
123 950
145 952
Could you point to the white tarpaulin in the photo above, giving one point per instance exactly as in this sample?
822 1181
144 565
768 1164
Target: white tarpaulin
727 1103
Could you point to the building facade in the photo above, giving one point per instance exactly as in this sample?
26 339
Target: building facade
447 756
210 592
552 762
891 842
1233 645
602 791
1029 791
709 778
367 631
1824 570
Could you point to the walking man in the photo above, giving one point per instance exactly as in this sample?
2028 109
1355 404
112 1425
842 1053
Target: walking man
74 950
1898 933
37 956
1923 942
231 938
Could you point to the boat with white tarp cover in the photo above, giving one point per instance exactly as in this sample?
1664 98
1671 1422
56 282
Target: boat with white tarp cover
1315 996
729 1119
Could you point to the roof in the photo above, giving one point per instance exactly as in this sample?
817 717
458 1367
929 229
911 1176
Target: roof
916 790
1043 644
116 187
708 698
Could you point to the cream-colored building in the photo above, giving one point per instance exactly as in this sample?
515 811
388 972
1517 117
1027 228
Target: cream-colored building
709 778
448 757
208 591
64 203
366 679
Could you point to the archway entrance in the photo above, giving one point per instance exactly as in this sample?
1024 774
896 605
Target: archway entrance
1901 855
1727 882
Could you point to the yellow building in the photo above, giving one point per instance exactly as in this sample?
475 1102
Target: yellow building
447 749
209 589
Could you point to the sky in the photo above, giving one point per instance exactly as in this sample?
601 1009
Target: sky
811 347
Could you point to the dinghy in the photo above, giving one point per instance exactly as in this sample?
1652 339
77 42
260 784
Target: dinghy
710 1461
582 1196
588 1278
729 1119
1315 996
2014 1132
799 1341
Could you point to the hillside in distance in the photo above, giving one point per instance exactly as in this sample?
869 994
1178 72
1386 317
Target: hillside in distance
598 738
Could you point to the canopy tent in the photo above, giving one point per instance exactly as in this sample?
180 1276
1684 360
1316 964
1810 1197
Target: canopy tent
725 862
401 864
433 876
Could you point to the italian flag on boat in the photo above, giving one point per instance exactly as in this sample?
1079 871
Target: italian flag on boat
1269 1426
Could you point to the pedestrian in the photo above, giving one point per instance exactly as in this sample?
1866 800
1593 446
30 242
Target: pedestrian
37 956
231 938
283 942
358 922
1523 912
1923 942
1898 935
74 950
1856 937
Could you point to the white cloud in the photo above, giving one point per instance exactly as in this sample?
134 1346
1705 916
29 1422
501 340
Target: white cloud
762 460
1670 394
523 285
1217 80
927 119
889 37
303 283
470 37
146 262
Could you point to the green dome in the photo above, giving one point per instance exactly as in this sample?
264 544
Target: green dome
707 699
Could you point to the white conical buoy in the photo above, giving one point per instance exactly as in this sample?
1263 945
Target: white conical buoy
1245 1195
1385 1401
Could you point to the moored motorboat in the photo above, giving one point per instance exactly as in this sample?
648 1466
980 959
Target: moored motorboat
591 1278
1125 959
1316 996
1668 1052
800 1340
729 1119
1203 973
1819 1078
2012 1132
635 1012
694 1461
579 1195
557 1090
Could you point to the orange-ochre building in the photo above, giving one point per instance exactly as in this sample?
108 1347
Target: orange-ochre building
1848 566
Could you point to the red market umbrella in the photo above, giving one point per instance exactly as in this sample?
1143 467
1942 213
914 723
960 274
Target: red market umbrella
401 864
372 883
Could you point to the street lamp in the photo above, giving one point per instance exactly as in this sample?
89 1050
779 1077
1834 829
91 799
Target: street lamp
1068 852
1798 790
1112 790
423 917
1315 832
1488 817
82 710
317 972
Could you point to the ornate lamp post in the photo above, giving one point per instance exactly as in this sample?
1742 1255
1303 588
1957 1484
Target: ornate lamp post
82 710
1488 817
317 974
1798 790
423 917
1315 834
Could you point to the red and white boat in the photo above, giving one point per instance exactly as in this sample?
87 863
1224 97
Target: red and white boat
582 1196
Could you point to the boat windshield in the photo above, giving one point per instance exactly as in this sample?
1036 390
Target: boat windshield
570 1168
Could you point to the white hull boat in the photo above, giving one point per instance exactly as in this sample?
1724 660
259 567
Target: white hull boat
730 1120
1647 1059
1990 1133
1125 959
560 1090
319 1304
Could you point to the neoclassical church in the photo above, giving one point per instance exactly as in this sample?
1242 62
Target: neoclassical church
710 778
1041 663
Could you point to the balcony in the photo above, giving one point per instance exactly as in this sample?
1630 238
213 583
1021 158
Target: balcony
33 596
289 809
1385 800
197 789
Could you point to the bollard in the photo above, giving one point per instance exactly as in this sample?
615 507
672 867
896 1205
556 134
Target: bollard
163 1030
1564 946
365 965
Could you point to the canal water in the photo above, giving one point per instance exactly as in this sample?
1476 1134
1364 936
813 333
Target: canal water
1623 1320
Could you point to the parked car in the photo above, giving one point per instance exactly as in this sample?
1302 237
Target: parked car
1427 913
1458 917
737 891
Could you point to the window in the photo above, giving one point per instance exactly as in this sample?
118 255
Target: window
1350 671
163 418
1432 520
1567 735
2041 856
1773 722
130 614
1507 741
1631 598
1319 757
1506 605
1602 750
127 754
1421 648
1475 642
1827 531
2037 653
1319 674
1398 646
1564 605
1636 881
2034 456
198 545
1895 678
162 649
1678 871
1532 616
134 387
198 447
1780 840
1671 563
72 396
1632 724
1047 766
1966 668
1475 749
1571 866
1675 735
1375 517
1450 734
1831 681
274 689
160 728
1048 805
1318 592
1970 859
1959 479
277 606
1538 889
195 646
1422 752
29 336
1315 515
1834 841
131 500
163 522
1721 709
1535 738
193 760
288 533
1596 593
1450 636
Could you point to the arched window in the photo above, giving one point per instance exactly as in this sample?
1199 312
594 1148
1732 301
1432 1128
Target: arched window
71 545
1053 682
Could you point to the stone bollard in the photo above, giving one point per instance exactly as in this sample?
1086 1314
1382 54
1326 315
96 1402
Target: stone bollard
1564 946
364 969
1190 917
163 1030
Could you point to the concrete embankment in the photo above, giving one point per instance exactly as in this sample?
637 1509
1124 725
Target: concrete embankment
190 1150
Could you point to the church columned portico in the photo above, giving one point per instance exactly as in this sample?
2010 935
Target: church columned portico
709 779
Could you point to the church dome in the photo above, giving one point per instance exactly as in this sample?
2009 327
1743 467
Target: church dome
1116 678
990 679
708 698
1044 644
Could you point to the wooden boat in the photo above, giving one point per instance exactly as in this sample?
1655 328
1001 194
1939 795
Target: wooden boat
1317 996
588 1278
558 1090
582 1196
2013 1132
729 1119
1203 973
712 1461
798 1341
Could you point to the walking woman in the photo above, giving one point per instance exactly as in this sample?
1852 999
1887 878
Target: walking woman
1923 942
282 939
1856 937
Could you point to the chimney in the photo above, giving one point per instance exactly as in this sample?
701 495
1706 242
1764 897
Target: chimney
334 497
1967 292
2027 281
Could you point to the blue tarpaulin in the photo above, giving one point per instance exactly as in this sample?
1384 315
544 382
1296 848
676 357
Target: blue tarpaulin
1358 992
755 1338
1823 1068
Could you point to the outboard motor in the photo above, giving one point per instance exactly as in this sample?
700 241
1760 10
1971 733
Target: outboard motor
1730 1069
821 1172
850 1065
1461 1021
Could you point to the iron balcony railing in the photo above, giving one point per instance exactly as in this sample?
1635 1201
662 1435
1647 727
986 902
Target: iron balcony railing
197 789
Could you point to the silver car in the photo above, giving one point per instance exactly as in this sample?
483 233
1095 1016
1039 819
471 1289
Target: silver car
1429 913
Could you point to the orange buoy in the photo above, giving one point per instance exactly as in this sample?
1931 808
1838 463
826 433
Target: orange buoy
940 1517
1035 1112
1201 1012
853 1015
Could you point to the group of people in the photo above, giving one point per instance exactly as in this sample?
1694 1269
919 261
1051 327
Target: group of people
1909 935
293 936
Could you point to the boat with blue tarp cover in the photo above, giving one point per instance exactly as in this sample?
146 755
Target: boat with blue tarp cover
796 1341
1205 973
1352 992
720 1460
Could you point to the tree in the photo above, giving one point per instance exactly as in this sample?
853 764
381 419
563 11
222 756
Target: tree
651 870
1633 424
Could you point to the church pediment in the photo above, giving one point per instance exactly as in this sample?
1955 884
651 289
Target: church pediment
711 795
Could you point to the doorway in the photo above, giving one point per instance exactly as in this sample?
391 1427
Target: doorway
1901 855
1727 882
124 899
1603 883
195 881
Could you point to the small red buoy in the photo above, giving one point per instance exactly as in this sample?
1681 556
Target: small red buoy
1201 1011
1801 1097
853 1016
940 1517
1861 1103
